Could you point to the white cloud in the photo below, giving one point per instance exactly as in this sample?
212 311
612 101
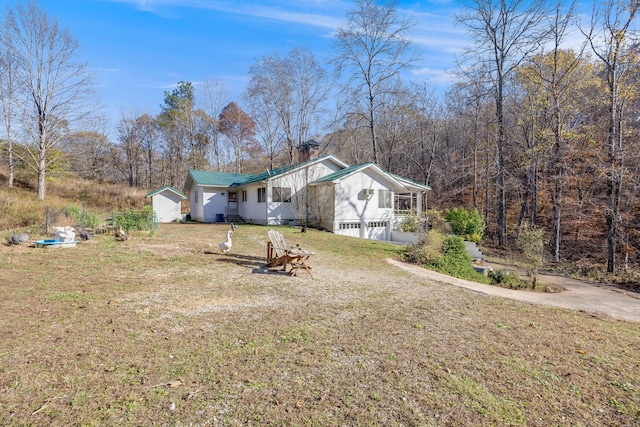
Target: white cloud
288 12
107 70
435 76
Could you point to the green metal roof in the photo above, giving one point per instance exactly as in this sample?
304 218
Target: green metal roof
219 179
343 172
166 188
284 169
226 179
355 168
413 183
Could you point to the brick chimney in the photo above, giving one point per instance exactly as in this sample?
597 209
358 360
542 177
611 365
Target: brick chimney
308 150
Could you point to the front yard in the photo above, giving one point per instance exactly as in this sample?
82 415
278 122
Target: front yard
164 330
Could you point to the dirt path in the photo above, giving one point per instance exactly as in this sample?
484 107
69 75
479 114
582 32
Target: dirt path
577 295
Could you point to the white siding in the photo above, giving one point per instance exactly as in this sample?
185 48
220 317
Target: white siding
323 206
166 206
214 202
351 206
319 170
251 210
360 216
297 181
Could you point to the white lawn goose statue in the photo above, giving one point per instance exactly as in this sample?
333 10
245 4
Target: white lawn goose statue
65 234
225 246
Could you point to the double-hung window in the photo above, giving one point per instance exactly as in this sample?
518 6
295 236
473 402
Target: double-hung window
384 199
281 194
262 194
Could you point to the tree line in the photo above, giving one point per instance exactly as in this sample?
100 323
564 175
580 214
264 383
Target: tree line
539 129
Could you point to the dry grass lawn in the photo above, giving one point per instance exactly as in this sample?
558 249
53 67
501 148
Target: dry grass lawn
164 330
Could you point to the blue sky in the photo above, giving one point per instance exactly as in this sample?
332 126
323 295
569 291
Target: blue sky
140 48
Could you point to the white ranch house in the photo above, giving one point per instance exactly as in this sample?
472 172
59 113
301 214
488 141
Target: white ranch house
360 201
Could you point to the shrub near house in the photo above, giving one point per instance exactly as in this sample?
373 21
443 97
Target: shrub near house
445 254
467 224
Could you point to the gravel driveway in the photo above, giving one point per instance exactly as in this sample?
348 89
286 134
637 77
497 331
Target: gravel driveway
577 295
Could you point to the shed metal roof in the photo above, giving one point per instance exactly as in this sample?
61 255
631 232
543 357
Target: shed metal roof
166 188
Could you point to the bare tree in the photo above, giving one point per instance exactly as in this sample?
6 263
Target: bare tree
239 128
294 87
131 146
504 33
177 122
610 37
271 84
55 89
556 73
268 131
471 120
213 97
148 134
311 89
428 124
201 139
395 123
374 48
9 87
89 155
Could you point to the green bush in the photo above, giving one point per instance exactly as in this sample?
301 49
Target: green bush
506 279
456 261
141 219
428 246
410 224
531 241
79 216
72 212
466 223
89 220
437 222
475 237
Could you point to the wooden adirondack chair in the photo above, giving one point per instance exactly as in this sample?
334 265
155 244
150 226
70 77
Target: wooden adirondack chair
277 250
278 253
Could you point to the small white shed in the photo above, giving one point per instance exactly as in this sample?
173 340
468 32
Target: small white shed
167 204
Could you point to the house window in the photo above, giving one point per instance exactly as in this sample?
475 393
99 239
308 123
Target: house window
377 224
281 194
367 194
195 196
349 226
262 194
404 203
244 195
384 199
